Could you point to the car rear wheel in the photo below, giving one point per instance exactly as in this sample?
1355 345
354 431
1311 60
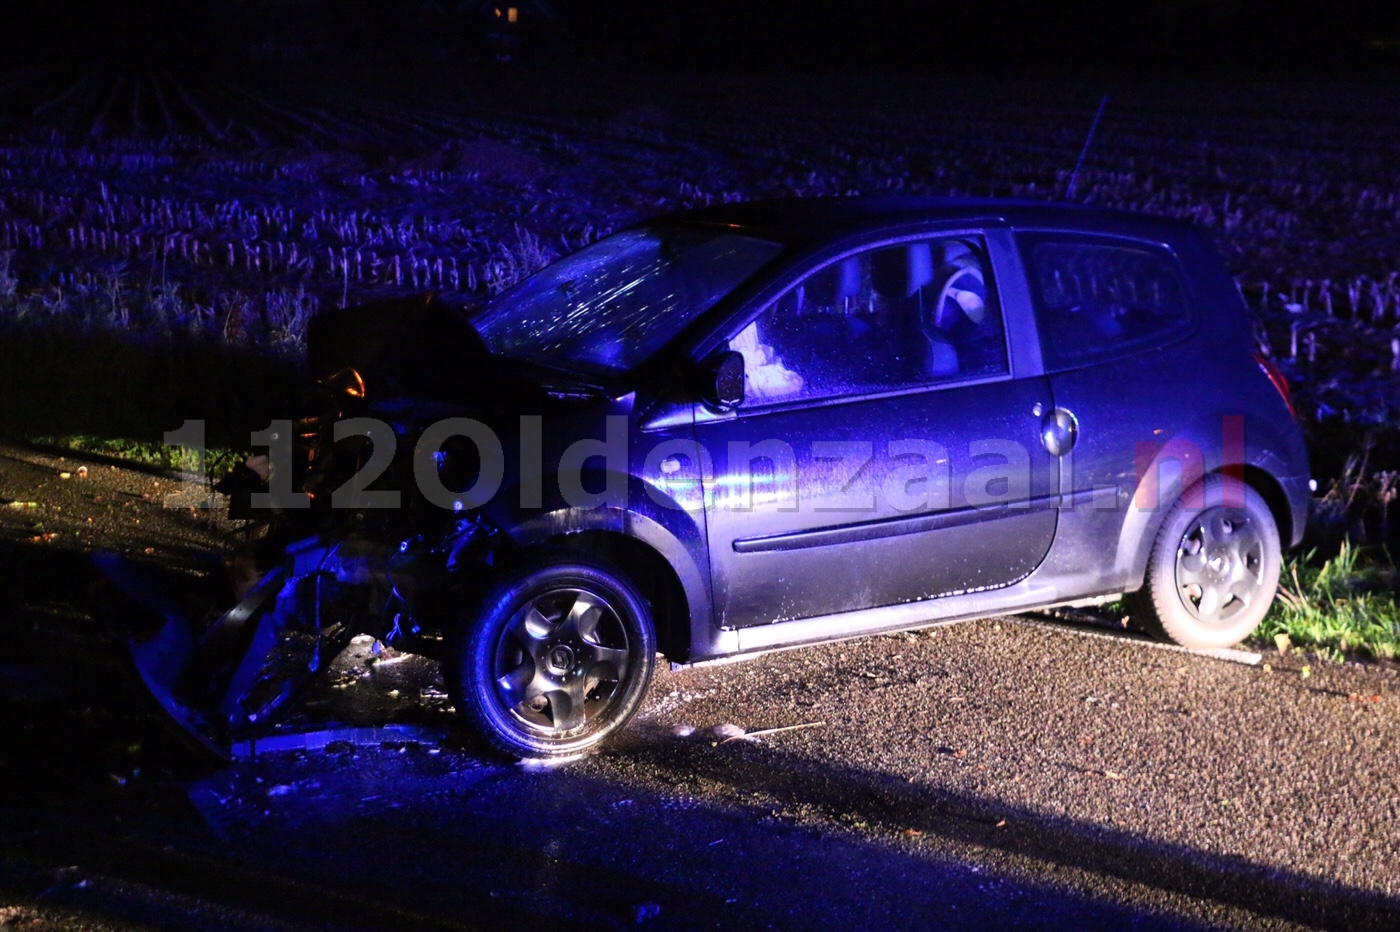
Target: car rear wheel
1214 567
557 659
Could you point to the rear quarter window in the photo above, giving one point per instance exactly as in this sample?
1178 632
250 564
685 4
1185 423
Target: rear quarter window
1096 299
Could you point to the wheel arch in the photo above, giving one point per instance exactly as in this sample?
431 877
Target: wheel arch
661 548
1142 526
653 576
1269 489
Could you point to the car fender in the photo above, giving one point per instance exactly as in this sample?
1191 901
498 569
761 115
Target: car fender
651 517
1159 486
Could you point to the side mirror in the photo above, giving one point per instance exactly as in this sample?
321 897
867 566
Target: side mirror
722 385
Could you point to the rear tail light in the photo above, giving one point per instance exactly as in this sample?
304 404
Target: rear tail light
1280 383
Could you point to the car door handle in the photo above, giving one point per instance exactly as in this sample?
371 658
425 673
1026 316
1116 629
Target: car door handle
1058 431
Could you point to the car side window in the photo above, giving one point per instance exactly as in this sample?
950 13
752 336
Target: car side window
1096 299
886 318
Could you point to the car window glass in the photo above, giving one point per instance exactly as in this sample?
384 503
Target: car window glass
610 306
1094 299
887 318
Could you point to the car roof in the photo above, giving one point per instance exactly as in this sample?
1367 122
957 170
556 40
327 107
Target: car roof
807 220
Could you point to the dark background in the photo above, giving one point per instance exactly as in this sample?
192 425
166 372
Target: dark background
1159 38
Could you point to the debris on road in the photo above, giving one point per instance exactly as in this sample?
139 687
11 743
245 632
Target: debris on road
318 739
768 731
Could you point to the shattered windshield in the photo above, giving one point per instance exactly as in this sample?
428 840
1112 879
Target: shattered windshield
608 307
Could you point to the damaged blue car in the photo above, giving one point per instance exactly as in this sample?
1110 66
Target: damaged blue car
751 427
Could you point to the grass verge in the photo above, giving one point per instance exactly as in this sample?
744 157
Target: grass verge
216 463
1343 606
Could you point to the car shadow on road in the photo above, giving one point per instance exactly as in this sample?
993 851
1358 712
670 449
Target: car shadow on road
845 795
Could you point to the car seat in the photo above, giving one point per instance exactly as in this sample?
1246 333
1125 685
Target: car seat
954 310
900 276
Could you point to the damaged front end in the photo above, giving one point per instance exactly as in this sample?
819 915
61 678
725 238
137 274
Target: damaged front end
314 577
238 675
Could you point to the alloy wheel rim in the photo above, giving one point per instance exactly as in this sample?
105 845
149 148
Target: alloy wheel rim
1219 566
561 663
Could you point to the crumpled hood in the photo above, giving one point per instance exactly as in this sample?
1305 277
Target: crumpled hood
422 347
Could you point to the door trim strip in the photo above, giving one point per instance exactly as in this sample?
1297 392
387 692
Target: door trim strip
893 527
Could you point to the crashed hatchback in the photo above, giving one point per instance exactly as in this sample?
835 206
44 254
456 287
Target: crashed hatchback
750 427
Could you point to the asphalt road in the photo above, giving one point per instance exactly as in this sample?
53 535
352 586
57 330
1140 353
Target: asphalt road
991 774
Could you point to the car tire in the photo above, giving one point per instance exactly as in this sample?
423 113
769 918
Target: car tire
1214 567
557 657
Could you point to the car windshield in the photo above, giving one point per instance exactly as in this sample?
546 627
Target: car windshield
608 307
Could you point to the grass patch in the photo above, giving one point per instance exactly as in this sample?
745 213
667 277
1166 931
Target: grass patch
217 461
1342 606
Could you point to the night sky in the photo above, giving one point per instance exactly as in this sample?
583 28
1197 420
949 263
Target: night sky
1168 38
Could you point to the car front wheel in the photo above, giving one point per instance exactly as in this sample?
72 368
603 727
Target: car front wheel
1214 567
557 659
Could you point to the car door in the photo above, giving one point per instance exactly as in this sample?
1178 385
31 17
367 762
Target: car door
885 453
1113 312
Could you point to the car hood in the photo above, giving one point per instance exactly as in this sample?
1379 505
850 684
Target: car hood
423 347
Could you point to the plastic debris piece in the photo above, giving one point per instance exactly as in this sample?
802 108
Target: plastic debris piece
338 738
774 731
